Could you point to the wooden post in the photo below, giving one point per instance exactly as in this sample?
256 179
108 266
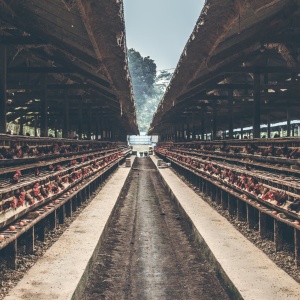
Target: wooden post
3 82
241 210
79 198
262 224
214 125
80 122
218 195
29 242
52 220
21 131
212 191
231 204
90 122
224 199
242 130
256 117
230 113
68 208
202 188
288 117
207 187
11 254
74 203
44 107
35 127
269 127
188 132
40 230
97 127
278 235
65 131
250 216
193 127
61 214
202 124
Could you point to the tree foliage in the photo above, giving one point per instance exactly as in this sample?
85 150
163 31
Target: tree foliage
148 87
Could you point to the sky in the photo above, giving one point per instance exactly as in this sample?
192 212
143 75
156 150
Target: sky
160 28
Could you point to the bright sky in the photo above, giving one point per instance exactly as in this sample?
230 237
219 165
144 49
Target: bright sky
160 28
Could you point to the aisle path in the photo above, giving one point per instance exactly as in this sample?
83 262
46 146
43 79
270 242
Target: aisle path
148 254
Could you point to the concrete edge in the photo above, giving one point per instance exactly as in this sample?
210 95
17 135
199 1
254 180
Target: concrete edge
219 271
77 295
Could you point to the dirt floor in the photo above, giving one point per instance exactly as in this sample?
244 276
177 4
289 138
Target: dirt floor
148 252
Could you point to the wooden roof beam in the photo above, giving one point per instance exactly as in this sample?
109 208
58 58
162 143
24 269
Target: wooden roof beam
21 40
84 8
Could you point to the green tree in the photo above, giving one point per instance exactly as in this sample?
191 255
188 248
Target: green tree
148 88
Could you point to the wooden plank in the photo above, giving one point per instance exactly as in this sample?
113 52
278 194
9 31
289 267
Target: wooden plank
218 195
250 216
262 224
29 242
61 214
278 235
11 255
240 210
68 208
74 203
224 199
52 220
40 230
231 205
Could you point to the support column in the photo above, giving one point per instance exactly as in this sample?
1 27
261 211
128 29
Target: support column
11 254
269 128
288 118
214 126
35 126
80 119
242 130
56 132
44 107
3 98
21 131
175 132
97 127
182 132
65 131
293 130
193 127
262 224
230 112
101 128
278 235
90 120
202 124
29 242
256 112
188 133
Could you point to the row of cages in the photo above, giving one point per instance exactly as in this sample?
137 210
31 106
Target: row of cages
262 190
36 187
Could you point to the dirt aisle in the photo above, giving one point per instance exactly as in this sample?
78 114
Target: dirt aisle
148 253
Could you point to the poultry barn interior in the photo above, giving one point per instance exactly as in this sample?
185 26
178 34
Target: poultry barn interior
228 126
